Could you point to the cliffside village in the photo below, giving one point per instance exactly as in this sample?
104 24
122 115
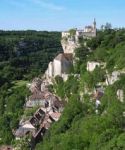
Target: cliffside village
49 105
49 110
61 63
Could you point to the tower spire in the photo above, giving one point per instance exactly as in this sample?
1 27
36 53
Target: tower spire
94 23
94 27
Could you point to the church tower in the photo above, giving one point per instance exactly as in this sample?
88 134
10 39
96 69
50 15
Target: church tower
94 26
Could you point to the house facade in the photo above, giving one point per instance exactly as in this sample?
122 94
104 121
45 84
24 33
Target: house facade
92 65
36 99
60 66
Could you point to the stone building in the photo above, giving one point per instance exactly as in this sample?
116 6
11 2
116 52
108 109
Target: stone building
87 32
35 86
111 79
70 42
60 66
92 65
36 99
120 95
24 129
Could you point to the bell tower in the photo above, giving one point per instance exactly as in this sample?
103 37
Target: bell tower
94 27
94 24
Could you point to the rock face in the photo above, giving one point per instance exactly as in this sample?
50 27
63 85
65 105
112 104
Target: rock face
120 95
70 41
69 45
35 85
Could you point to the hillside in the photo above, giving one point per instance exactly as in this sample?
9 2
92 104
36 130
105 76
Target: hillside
93 119
23 56
27 52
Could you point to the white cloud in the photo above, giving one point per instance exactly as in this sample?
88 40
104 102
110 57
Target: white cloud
39 3
47 5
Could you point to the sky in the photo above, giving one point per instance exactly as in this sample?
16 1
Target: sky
59 15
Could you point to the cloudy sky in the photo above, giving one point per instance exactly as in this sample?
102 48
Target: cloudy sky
59 14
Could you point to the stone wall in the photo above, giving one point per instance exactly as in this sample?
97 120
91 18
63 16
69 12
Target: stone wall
57 68
50 69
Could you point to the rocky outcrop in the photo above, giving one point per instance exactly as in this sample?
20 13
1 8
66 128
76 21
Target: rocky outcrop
69 45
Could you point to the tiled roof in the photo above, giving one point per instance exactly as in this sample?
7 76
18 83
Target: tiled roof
98 95
29 126
90 27
64 56
20 132
58 103
37 96
47 95
55 116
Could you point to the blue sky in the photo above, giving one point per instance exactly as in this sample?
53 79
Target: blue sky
59 14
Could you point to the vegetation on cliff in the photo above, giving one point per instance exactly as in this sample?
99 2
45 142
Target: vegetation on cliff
23 55
80 126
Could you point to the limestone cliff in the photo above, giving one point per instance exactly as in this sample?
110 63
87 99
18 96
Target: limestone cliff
69 44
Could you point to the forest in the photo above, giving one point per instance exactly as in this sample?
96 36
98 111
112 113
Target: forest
23 56
80 127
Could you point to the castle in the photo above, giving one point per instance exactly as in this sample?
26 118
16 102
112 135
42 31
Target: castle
87 32
70 41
